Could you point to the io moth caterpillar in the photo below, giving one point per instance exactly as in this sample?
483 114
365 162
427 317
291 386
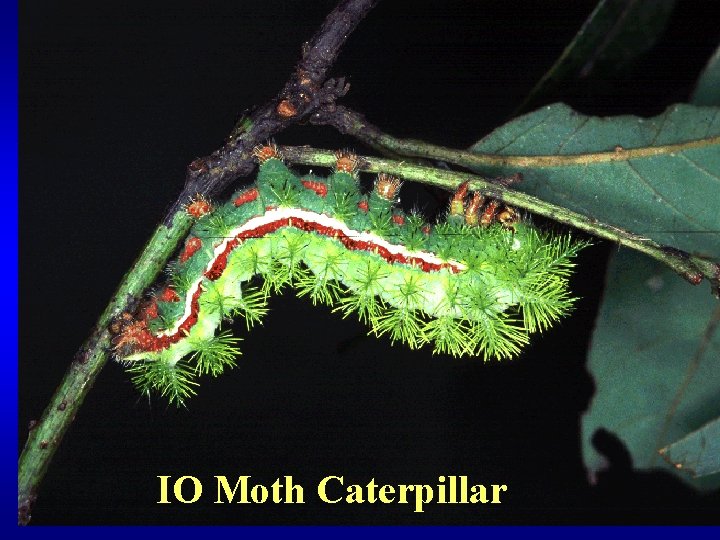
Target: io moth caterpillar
477 284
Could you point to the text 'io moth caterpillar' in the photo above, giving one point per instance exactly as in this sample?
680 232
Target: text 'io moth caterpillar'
476 285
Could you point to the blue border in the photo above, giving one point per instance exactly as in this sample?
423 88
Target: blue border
9 149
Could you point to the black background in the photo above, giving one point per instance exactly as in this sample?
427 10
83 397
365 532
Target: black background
116 98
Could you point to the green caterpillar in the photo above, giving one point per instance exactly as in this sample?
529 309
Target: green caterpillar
476 285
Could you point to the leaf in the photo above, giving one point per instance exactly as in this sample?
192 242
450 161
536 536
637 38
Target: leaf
658 177
654 357
660 307
698 453
616 32
707 90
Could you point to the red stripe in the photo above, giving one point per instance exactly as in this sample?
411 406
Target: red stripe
249 195
191 247
158 343
318 187
220 263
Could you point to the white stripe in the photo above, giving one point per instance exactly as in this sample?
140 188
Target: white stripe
277 214
188 309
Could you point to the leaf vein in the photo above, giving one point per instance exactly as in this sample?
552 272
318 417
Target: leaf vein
700 168
663 199
692 369
712 122
660 127
570 137
541 122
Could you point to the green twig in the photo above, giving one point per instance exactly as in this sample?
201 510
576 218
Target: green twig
306 90
353 123
45 436
691 267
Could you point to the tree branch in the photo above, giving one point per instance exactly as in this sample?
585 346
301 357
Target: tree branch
306 91
691 267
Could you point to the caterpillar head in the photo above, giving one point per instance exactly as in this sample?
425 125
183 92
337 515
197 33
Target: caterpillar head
131 335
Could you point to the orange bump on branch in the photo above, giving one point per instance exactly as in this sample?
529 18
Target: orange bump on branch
198 165
286 109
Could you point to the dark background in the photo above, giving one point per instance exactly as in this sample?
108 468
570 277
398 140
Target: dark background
116 98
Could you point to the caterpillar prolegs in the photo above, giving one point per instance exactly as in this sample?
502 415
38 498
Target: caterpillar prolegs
475 285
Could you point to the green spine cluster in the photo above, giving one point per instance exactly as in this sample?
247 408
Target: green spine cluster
515 283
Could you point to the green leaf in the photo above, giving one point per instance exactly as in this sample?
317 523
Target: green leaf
707 90
698 453
657 177
637 289
615 33
654 357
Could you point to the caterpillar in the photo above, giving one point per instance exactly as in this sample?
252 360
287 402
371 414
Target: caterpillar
477 284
